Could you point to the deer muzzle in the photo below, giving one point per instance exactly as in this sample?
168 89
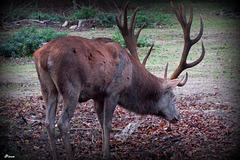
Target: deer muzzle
175 119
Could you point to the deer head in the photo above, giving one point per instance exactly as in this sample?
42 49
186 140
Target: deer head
165 107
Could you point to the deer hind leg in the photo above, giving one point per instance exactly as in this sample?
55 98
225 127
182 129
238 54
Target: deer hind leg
70 100
50 97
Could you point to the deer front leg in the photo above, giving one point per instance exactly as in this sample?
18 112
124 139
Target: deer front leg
109 107
99 105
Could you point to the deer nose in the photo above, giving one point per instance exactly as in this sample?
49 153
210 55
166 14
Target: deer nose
175 119
178 117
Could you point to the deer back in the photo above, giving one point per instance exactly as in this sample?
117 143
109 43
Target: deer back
97 65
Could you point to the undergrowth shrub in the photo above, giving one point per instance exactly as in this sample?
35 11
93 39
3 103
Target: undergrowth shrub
26 41
106 19
142 18
84 13
19 14
152 18
118 38
163 19
143 41
46 16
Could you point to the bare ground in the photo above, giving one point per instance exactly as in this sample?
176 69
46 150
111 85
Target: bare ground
201 90
219 90
219 95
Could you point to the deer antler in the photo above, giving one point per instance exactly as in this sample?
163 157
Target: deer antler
148 54
128 33
188 42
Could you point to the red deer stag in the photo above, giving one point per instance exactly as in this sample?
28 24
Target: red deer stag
79 69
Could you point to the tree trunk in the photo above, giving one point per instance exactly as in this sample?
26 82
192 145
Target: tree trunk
74 5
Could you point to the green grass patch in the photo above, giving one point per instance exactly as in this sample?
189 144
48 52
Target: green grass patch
17 73
26 41
221 39
18 78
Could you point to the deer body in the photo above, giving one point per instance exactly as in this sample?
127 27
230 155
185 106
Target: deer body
96 70
78 69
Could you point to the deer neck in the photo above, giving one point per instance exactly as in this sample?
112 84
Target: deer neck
143 93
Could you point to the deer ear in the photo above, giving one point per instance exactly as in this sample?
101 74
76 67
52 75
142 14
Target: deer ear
171 84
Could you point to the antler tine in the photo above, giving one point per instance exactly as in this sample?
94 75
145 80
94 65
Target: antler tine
118 20
200 32
165 72
196 62
184 82
176 13
148 54
182 13
133 21
121 25
125 15
191 17
128 33
140 29
188 42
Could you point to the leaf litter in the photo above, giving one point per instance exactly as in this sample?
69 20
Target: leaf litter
201 134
